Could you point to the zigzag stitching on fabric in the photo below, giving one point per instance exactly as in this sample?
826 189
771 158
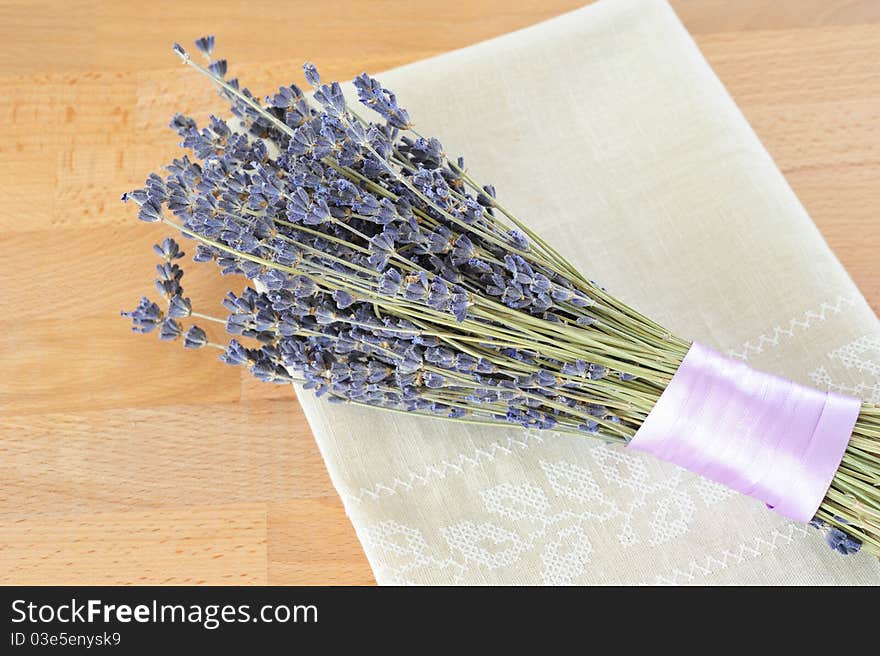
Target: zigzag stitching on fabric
443 468
866 391
795 325
869 393
727 558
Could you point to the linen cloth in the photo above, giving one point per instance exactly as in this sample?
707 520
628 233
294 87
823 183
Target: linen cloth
607 131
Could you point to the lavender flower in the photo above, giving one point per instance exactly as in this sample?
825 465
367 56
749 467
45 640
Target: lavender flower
841 542
312 74
195 338
145 317
205 45
179 307
169 330
168 249
382 274
218 68
371 93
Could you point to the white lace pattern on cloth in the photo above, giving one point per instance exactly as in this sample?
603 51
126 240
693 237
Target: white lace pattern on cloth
609 133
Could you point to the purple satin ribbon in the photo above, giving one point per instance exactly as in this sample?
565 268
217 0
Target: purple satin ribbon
756 433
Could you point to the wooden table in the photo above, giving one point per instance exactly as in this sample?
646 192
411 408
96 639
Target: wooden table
123 460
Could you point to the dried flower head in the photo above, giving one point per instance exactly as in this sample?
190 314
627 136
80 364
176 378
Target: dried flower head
383 275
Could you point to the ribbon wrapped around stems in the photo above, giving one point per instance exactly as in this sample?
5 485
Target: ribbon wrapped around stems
756 433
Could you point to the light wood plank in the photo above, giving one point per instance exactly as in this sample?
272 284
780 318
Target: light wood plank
216 545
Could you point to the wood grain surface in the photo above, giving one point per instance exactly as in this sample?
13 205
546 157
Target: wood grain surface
124 460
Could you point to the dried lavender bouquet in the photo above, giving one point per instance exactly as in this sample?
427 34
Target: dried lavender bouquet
385 276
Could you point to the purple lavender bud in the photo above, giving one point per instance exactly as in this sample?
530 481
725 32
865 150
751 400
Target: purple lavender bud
195 338
417 287
304 141
179 307
441 356
480 265
596 371
382 242
169 330
168 288
459 304
473 211
423 152
371 94
464 363
182 124
343 299
597 410
273 279
156 189
312 76
384 213
286 97
561 294
440 241
150 212
331 99
389 282
131 195
518 240
218 68
512 294
145 317
366 204
404 208
841 542
318 213
205 44
235 354
169 249
462 250
487 199
578 368
580 299
238 324
485 366
325 314
433 379
540 284
169 271
439 295
302 286
299 205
